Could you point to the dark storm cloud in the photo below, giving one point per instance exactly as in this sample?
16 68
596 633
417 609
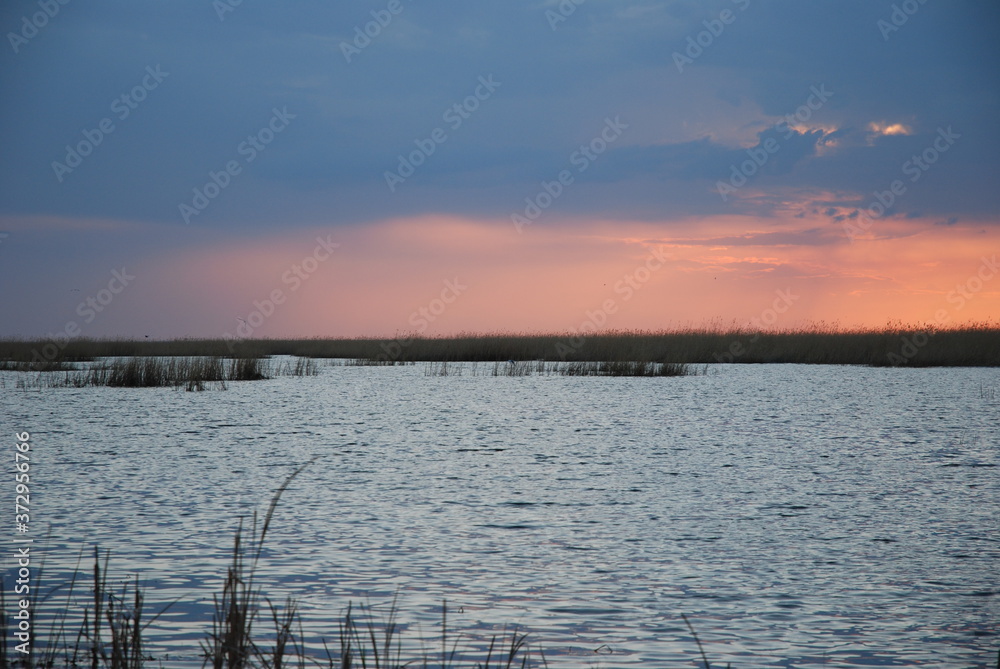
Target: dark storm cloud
352 120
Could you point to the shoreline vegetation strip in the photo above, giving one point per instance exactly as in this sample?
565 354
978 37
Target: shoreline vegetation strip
891 345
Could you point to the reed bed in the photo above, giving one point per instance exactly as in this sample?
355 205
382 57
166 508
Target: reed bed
628 368
893 344
29 366
374 362
543 368
195 373
301 367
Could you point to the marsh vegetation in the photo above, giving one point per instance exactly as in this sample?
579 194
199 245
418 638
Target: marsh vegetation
544 368
190 373
891 345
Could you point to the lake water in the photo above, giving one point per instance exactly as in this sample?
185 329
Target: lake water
800 516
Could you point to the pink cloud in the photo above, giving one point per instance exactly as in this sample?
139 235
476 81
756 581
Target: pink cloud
444 274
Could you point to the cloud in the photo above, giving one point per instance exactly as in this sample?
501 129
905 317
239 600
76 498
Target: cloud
808 237
354 119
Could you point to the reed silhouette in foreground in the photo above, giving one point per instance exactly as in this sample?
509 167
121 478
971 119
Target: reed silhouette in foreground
232 644
109 632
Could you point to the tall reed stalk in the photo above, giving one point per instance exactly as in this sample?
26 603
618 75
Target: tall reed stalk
230 642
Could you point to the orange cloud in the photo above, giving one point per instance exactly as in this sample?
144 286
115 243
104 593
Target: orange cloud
883 128
445 274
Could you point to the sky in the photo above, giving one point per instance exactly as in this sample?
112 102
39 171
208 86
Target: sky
245 168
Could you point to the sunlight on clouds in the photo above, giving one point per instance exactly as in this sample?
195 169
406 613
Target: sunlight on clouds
878 129
882 128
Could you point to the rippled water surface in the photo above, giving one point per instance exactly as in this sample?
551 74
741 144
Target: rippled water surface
800 516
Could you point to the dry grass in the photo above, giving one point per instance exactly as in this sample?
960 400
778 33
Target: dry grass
628 368
543 368
196 373
374 362
973 345
230 640
109 633
29 366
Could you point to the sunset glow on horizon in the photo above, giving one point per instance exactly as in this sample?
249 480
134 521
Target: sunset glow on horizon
385 279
